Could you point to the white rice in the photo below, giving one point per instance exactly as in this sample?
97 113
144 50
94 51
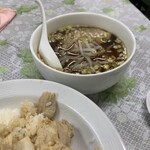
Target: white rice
7 114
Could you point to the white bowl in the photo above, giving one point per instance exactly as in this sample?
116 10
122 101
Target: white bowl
91 83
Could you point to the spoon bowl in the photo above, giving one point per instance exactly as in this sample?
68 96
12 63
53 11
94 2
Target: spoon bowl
45 49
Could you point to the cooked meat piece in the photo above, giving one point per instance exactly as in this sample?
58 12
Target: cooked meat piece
65 132
48 138
34 123
24 144
18 134
47 104
16 122
46 134
3 130
27 109
7 143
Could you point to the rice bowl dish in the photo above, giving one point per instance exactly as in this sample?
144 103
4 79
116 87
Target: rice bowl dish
89 132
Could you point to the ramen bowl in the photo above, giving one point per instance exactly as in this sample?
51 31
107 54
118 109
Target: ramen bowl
85 83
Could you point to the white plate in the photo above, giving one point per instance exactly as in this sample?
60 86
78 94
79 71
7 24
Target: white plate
92 127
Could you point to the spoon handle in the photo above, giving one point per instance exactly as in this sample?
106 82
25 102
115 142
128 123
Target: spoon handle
44 28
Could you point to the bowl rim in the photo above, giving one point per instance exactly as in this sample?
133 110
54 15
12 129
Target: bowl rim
84 75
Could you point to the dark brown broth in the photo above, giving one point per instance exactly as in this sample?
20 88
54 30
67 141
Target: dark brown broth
87 50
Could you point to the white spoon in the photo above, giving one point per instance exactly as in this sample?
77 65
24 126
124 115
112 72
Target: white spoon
45 49
148 101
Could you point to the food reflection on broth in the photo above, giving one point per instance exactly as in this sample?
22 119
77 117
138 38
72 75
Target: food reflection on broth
87 50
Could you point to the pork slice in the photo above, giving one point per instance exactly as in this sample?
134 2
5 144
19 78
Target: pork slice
65 132
47 104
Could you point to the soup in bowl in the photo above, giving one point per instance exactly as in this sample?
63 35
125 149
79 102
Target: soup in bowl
95 50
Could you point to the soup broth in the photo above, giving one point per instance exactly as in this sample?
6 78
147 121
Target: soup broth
87 50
